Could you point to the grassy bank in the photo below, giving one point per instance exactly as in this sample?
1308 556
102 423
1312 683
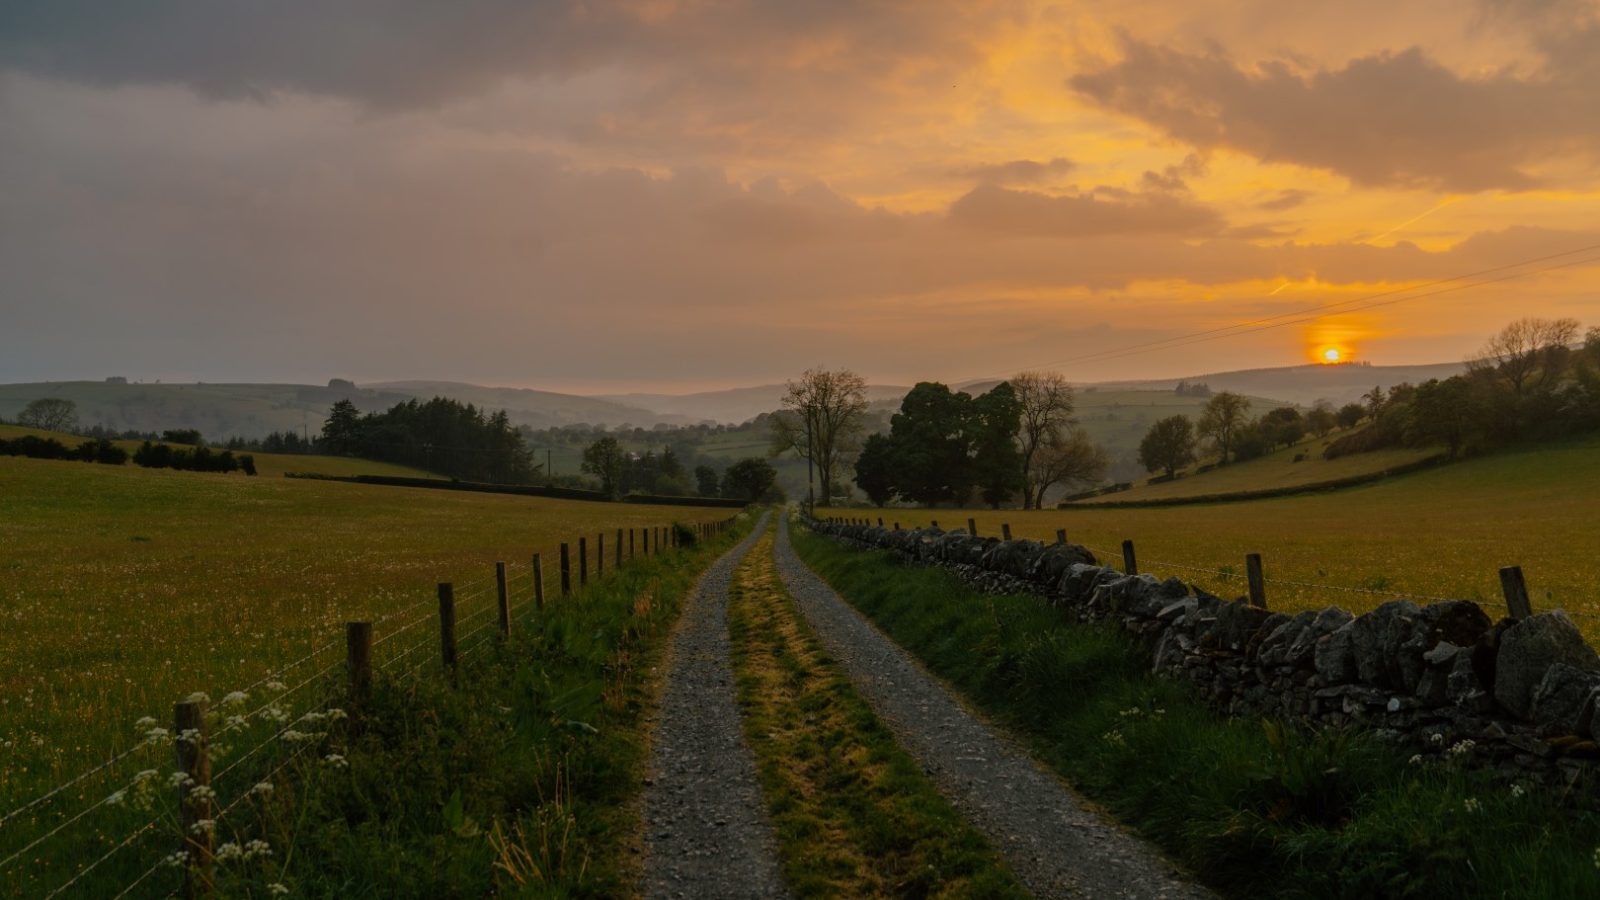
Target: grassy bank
522 779
855 816
1252 809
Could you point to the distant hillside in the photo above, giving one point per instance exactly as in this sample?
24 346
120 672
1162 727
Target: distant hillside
1304 385
221 411
737 405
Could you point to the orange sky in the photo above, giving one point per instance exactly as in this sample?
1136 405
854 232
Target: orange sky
677 194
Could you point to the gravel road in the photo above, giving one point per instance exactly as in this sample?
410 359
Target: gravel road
1054 843
706 827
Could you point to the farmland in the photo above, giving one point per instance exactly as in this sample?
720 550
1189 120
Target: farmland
1438 533
127 588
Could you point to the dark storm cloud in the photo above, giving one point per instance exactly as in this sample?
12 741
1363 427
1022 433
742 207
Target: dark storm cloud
1388 119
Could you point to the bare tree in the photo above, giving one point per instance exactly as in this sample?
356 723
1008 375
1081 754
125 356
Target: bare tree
1072 459
821 419
50 414
1047 404
1527 353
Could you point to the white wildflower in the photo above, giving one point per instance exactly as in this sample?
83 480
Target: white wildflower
117 797
1115 738
188 735
202 792
229 851
1437 738
178 779
1462 748
262 789
1517 791
176 859
337 715
203 826
336 760
257 849
235 698
275 686
145 775
156 735
1416 759
278 889
1472 805
145 724
199 697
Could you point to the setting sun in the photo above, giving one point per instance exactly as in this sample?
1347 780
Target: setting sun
1331 355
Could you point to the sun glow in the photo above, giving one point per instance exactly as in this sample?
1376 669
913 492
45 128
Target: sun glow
1332 355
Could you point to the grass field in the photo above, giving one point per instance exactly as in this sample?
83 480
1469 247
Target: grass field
1275 470
126 589
1439 533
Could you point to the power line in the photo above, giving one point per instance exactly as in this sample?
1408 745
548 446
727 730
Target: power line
1267 322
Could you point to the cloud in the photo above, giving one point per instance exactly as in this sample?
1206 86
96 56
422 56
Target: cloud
999 211
1387 119
1288 198
1019 171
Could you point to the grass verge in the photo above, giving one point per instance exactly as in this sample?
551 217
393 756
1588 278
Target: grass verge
1253 808
520 779
855 816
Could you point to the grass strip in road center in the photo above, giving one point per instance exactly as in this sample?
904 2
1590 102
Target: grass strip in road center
855 816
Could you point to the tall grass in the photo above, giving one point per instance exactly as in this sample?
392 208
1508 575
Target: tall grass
1253 808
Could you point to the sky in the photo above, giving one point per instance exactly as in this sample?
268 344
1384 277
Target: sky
674 195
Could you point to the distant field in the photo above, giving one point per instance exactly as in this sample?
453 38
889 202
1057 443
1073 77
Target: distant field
125 589
268 465
1275 470
1442 532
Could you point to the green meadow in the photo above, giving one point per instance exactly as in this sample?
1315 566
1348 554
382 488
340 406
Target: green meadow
125 589
1443 532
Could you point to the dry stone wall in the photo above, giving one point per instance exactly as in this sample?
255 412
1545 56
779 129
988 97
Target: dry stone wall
1517 697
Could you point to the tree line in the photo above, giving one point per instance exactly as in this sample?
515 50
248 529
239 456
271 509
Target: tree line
441 435
621 472
1532 380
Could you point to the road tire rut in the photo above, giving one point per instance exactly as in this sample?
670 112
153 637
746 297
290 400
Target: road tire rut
706 832
1056 845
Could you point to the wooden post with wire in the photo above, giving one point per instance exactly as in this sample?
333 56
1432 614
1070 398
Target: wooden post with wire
1515 588
619 548
933 523
972 527
1005 531
1061 535
447 625
503 596
600 554
195 806
1130 562
358 662
630 543
1258 582
538 583
566 572
583 561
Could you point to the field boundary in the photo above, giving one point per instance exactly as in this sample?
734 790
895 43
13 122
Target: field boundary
1333 484
525 490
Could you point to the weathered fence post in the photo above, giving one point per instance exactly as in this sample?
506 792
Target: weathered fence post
1516 591
619 548
447 624
195 814
630 543
358 661
1061 535
566 572
880 521
1005 531
1258 583
972 527
933 523
503 596
600 554
538 583
583 561
644 543
1130 563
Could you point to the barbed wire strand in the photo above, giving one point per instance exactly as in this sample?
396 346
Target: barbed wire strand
125 842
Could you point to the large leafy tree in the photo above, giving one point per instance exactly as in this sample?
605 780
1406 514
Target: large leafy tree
875 469
1075 459
1223 417
1168 445
993 421
604 460
748 479
930 438
341 433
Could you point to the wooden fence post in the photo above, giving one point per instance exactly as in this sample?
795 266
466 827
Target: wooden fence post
1516 591
1258 583
1005 531
619 549
566 572
897 526
1061 535
195 810
583 561
933 523
630 543
503 596
1130 563
599 554
972 527
880 521
447 624
358 661
538 583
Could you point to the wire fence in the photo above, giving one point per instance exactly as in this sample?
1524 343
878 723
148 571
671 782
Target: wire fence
119 814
